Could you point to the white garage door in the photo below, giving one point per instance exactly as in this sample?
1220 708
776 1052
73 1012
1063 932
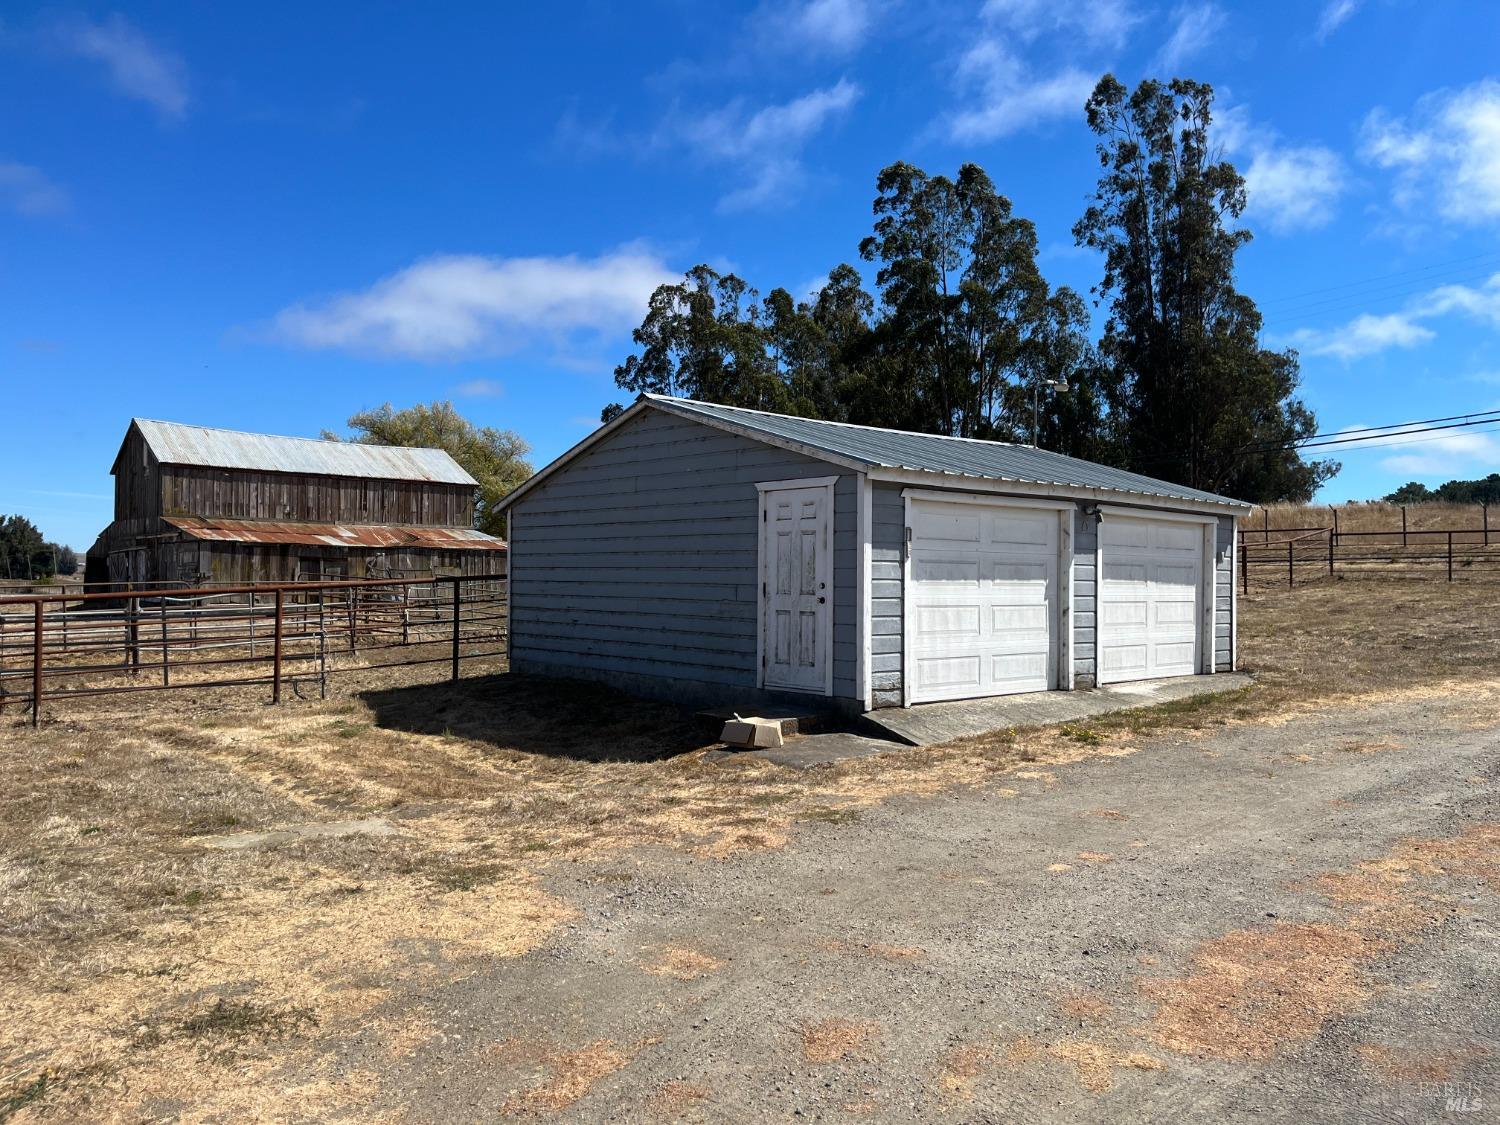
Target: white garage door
983 600
1148 604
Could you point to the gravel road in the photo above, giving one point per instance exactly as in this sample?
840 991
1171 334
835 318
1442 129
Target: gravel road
1274 921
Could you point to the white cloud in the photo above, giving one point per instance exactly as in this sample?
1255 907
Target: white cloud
479 388
28 191
1008 97
1289 187
1294 188
1367 334
1195 26
1099 22
137 67
764 145
453 306
835 26
1362 336
1333 16
1450 455
1447 151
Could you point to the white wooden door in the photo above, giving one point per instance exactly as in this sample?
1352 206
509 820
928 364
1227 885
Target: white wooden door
983 602
796 584
1149 598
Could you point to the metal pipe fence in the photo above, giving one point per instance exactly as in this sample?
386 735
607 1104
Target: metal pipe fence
1312 552
58 647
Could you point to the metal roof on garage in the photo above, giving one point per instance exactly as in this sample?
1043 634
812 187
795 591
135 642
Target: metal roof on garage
206 447
944 461
335 534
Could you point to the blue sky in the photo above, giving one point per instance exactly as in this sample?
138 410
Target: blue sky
267 217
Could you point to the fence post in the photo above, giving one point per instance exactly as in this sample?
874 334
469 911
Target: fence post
1330 554
36 665
1265 519
133 617
1450 556
349 603
1403 525
1485 508
1244 572
166 674
1335 512
276 653
1289 564
455 627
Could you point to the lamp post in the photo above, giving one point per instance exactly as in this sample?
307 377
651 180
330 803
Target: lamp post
1036 404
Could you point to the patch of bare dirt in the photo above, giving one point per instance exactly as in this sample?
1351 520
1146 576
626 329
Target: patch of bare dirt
1403 1064
829 1040
683 963
563 1076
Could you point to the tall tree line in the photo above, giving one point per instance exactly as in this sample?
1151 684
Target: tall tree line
964 336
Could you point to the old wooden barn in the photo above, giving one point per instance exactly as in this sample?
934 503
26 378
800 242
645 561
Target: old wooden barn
196 505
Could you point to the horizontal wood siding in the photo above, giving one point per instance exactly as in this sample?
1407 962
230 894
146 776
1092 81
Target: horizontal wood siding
1224 595
249 495
639 558
1085 598
887 550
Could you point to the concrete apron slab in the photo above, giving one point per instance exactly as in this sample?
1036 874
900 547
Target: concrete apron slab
928 724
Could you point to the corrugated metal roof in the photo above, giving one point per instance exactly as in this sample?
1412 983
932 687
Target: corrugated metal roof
932 453
177 444
335 534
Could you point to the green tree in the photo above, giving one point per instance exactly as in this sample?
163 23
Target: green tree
969 329
1191 390
23 551
495 458
1413 492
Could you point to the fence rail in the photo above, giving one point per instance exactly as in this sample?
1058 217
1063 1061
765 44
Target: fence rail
65 646
1319 550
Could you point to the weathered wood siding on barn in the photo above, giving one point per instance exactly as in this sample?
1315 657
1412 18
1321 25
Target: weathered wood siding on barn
638 562
243 494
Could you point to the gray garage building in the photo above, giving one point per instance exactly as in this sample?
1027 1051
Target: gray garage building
709 553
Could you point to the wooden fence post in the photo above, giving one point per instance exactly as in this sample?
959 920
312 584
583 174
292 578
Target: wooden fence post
1289 564
1403 525
276 653
1244 571
1335 512
166 674
1450 556
1485 509
1265 519
1330 554
455 627
36 665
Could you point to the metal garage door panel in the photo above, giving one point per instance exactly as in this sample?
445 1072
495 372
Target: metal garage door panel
1150 591
984 595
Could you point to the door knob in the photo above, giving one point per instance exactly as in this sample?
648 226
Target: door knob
821 599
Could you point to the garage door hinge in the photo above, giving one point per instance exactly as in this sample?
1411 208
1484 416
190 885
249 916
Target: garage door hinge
907 545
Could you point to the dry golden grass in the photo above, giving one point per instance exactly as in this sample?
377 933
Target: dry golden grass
118 926
681 963
1372 517
565 1075
829 1040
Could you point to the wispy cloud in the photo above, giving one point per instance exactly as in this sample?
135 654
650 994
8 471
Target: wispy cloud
1023 65
27 191
1368 334
1447 150
1335 13
451 307
1449 455
1289 187
837 27
764 145
479 388
1194 28
137 67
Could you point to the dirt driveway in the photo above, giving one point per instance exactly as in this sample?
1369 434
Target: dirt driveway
1292 922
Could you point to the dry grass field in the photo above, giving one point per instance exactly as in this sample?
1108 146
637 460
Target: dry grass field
151 972
1374 517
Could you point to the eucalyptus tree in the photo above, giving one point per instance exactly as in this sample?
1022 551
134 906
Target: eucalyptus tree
1190 390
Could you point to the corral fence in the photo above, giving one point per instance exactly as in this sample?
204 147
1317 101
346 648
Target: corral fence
285 636
1316 552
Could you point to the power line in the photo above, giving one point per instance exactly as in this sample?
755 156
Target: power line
1370 440
1472 258
1398 426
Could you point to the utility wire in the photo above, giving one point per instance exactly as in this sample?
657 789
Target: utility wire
1375 430
1466 264
1368 439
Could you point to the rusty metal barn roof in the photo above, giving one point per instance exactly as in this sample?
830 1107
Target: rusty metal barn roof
335 534
177 444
